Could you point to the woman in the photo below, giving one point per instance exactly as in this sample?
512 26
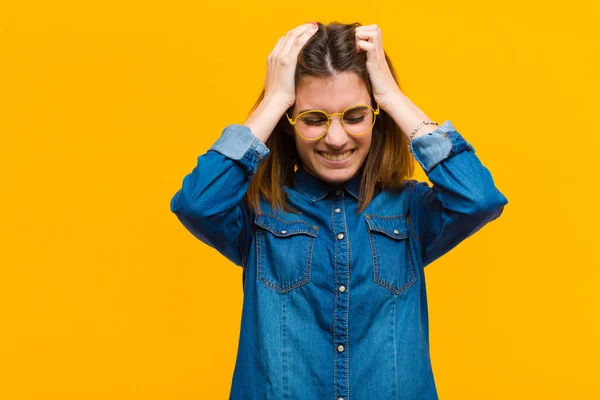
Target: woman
309 196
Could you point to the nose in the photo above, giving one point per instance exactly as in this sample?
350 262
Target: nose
336 136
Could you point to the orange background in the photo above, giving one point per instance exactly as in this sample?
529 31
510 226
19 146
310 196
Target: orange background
105 106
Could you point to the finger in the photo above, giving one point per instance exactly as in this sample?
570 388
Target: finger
303 26
300 28
366 46
302 40
276 49
364 38
364 35
370 34
297 30
374 27
368 28
292 36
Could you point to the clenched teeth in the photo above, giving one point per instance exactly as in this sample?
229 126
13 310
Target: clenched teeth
338 157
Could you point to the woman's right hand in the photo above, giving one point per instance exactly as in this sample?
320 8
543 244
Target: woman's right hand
281 64
280 86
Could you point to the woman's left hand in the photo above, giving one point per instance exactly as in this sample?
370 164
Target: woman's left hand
368 39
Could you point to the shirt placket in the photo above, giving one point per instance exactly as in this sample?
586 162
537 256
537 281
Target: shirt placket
340 312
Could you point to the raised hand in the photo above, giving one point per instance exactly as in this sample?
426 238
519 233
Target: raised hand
368 39
281 64
280 87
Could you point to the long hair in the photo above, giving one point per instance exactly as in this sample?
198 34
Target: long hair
330 51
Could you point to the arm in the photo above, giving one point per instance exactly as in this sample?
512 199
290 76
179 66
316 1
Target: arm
463 197
209 203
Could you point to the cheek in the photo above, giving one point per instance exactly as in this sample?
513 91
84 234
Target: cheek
304 149
364 143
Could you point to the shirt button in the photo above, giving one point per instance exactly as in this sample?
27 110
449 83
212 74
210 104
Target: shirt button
396 231
340 398
340 348
337 210
340 236
338 192
342 288
283 232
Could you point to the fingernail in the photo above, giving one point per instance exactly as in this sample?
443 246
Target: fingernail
314 25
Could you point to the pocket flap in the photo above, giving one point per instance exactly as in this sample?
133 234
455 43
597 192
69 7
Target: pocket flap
282 228
394 226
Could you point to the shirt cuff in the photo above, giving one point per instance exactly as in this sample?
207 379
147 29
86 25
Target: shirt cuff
431 149
239 143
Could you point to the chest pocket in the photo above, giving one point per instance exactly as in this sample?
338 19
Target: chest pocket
393 267
284 251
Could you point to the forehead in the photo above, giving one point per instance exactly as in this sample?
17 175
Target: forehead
331 94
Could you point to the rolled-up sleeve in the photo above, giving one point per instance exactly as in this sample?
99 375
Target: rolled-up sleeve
238 143
210 202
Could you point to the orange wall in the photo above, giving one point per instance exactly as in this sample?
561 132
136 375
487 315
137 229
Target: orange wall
105 107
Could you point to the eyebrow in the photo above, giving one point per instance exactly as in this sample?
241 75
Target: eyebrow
316 109
310 109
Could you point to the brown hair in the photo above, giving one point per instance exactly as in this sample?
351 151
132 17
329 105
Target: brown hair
330 51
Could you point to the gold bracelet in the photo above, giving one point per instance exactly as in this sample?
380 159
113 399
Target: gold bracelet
412 134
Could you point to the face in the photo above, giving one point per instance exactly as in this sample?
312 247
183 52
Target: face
336 157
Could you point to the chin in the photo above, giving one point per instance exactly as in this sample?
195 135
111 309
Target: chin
336 176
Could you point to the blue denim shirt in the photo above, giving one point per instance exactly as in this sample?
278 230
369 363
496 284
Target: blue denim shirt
335 303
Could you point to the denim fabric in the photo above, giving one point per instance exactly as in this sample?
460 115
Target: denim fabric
335 303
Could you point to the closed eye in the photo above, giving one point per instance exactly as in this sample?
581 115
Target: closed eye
355 120
314 122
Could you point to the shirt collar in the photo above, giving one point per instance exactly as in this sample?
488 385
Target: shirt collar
316 190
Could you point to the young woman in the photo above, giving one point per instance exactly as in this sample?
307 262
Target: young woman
310 197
